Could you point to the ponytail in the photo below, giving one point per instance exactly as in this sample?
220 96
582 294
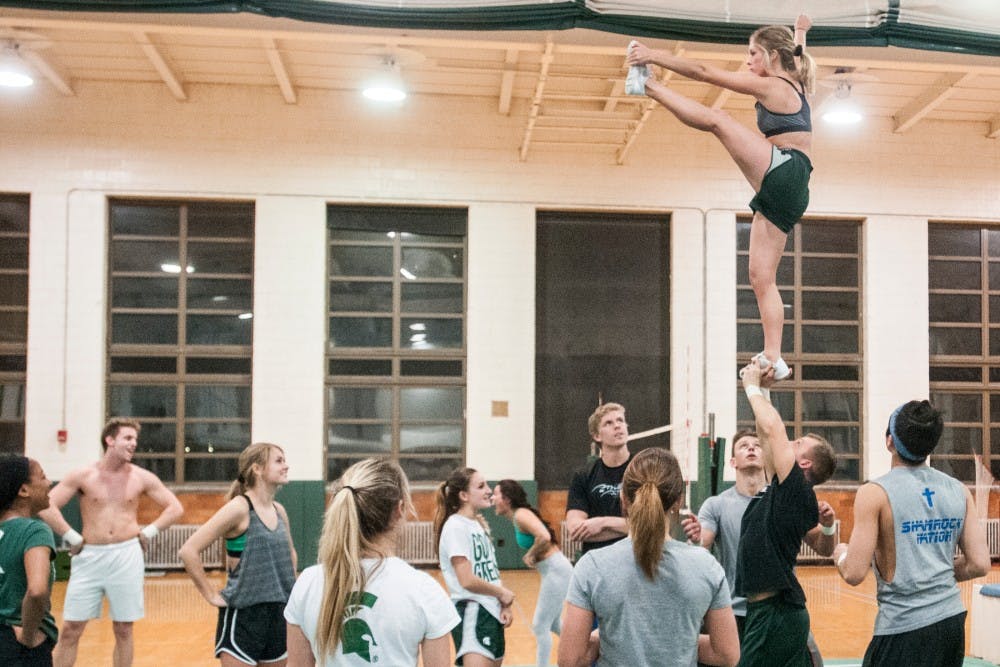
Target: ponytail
448 499
652 486
258 454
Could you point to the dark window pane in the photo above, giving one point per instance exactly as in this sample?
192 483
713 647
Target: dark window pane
956 374
14 214
994 275
143 401
366 367
953 240
220 294
428 470
956 308
14 290
829 238
785 275
13 327
208 257
960 440
143 364
847 469
743 236
783 402
146 256
11 438
359 403
422 263
994 242
432 298
392 219
11 401
845 439
162 468
830 271
13 253
211 469
994 374
954 275
145 220
964 470
410 367
335 467
994 342
361 331
219 330
430 439
959 407
229 437
219 365
411 238
13 363
431 403
434 334
159 437
750 337
829 305
218 401
371 297
144 292
746 304
830 406
144 329
995 309
995 416
360 261
360 438
830 373
360 235
220 219
824 339
951 341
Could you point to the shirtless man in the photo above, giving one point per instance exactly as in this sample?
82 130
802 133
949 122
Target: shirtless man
108 557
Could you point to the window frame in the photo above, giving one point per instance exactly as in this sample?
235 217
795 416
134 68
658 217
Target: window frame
15 375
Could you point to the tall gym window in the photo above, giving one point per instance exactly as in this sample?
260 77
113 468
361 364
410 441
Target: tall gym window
396 349
819 278
964 313
181 325
14 212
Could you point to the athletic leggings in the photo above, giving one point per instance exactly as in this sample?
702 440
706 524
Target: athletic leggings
556 572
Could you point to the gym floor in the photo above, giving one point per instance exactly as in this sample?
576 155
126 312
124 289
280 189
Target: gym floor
179 626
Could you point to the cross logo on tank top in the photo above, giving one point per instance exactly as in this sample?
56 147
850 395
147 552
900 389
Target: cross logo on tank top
929 496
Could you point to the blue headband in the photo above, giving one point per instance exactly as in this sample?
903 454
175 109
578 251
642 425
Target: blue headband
900 446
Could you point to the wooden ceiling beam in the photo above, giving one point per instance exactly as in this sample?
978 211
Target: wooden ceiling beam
279 69
929 100
160 64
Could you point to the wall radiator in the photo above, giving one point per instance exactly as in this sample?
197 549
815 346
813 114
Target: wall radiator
417 544
162 552
992 529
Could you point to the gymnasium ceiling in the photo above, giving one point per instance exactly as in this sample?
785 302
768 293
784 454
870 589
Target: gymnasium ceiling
565 86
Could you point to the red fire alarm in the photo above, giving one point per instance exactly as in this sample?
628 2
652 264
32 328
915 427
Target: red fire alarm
61 436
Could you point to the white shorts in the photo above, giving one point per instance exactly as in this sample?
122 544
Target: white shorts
115 570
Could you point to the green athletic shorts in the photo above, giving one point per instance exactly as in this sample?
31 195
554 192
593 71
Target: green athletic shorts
784 193
775 635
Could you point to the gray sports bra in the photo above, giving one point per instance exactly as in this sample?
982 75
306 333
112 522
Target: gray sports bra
771 123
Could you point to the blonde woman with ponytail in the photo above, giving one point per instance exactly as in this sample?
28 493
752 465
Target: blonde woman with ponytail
260 562
361 604
650 594
780 75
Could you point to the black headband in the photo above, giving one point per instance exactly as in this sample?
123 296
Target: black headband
798 51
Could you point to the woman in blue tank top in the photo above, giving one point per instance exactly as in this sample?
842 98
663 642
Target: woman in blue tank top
260 562
776 165
543 554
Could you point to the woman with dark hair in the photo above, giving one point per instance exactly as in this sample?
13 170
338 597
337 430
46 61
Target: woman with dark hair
27 548
260 562
533 534
649 593
779 75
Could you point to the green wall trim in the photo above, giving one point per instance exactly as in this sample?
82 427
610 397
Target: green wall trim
305 502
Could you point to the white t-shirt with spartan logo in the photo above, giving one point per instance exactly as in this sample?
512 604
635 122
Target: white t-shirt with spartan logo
399 608
462 536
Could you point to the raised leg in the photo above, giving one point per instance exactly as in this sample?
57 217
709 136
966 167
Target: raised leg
767 242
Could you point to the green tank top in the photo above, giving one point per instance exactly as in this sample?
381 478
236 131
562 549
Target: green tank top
524 540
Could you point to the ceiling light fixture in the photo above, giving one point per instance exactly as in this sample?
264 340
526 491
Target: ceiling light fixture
387 85
842 110
14 72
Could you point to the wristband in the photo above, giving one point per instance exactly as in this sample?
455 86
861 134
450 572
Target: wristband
828 530
150 531
753 390
72 538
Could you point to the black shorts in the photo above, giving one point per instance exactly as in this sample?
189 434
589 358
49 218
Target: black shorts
253 634
940 644
15 654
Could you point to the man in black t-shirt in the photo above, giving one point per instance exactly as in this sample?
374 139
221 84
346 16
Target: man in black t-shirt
774 523
593 505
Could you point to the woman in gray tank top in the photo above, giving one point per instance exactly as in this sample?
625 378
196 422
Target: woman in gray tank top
260 562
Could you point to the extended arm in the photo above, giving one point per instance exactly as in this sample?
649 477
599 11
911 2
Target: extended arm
740 82
802 25
527 522
226 521
37 597
975 559
778 454
60 494
868 504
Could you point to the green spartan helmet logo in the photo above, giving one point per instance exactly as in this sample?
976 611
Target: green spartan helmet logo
356 636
